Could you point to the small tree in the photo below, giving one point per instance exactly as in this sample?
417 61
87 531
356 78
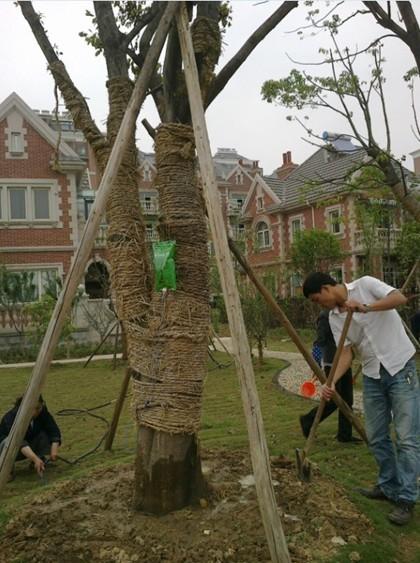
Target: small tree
16 289
407 247
315 250
257 319
40 313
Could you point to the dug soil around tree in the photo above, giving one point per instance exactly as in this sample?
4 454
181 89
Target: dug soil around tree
91 520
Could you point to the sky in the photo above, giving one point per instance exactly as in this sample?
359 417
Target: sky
238 118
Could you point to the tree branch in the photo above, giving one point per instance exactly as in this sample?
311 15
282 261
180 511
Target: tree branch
220 81
73 98
112 40
146 18
385 20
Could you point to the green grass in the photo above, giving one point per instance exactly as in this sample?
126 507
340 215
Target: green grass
71 386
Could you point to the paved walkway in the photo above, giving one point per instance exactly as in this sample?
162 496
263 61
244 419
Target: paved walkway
292 377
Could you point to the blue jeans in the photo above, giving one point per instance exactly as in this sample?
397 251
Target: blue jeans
394 399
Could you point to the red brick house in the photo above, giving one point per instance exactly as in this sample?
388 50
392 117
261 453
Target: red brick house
276 209
39 178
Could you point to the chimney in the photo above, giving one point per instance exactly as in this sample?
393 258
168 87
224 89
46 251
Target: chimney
255 163
284 159
289 157
241 161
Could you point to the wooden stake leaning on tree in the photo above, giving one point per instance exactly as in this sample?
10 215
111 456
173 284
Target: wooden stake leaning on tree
78 265
302 460
410 275
258 446
277 310
117 410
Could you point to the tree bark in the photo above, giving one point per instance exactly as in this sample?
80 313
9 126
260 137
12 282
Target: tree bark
172 360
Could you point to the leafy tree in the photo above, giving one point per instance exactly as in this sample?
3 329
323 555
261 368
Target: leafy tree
315 250
351 97
257 319
166 335
407 247
40 312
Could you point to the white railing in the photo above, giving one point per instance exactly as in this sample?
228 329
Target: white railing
149 207
380 240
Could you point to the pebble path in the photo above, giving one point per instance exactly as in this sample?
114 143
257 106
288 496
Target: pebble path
292 377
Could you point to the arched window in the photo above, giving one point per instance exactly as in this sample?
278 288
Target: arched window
97 282
263 235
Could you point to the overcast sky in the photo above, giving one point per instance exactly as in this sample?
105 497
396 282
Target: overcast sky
238 118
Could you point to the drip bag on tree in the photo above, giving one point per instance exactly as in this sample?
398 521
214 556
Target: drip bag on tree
164 262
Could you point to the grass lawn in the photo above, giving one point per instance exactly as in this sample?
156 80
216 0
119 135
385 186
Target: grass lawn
71 386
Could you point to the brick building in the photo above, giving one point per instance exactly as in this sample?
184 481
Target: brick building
315 196
39 179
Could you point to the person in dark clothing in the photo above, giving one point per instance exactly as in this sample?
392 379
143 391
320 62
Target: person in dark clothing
415 325
42 438
325 341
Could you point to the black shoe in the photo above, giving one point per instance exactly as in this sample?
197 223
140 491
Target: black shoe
402 513
351 440
374 493
304 426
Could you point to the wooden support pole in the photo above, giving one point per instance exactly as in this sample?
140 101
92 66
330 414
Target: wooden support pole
277 310
258 446
85 246
117 410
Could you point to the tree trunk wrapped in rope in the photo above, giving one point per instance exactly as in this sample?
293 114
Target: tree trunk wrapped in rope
170 354
130 270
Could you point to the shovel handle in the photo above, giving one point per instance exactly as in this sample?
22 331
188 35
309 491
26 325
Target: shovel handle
329 381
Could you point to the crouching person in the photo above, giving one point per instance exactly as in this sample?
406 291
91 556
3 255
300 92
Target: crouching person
42 438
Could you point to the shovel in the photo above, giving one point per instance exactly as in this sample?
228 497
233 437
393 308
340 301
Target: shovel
303 464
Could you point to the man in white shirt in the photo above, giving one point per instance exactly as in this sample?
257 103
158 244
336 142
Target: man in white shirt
391 389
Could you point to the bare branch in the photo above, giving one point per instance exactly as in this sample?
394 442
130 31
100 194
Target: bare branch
226 73
315 23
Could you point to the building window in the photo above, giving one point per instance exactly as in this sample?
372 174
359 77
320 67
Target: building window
147 203
239 231
147 176
335 222
16 143
41 203
260 203
88 207
26 203
263 235
295 227
239 178
17 203
33 284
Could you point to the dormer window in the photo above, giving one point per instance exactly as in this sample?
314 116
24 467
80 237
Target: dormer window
260 203
147 176
239 178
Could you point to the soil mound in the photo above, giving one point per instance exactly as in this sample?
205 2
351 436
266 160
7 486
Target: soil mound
90 520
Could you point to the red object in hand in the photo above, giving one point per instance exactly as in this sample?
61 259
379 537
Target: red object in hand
308 389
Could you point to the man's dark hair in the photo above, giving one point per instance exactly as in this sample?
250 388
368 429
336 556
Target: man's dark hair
314 282
20 399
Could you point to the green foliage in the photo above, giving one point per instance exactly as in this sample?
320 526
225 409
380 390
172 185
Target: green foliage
315 250
40 313
257 317
16 287
407 249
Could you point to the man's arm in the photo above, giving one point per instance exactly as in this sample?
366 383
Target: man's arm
344 363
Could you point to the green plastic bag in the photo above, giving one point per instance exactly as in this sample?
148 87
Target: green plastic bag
164 261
